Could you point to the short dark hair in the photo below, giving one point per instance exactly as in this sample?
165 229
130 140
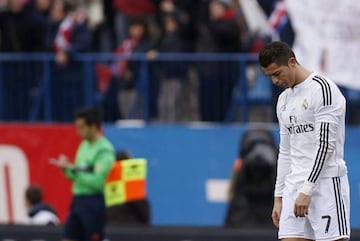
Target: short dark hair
34 195
277 52
91 116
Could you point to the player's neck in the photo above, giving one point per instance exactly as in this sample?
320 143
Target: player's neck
95 138
301 75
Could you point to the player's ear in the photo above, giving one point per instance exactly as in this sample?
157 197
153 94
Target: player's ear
292 62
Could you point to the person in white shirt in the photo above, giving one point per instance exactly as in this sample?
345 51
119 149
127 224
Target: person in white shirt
311 197
39 213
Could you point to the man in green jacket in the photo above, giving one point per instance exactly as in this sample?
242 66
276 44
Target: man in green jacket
94 159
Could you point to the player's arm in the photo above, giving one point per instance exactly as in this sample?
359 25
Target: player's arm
284 160
96 178
283 163
65 165
283 168
329 112
69 173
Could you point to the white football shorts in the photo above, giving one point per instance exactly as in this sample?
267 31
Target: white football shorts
328 217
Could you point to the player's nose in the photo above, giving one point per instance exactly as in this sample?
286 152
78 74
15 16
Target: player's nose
275 80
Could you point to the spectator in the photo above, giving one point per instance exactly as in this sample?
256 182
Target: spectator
172 74
129 9
98 23
128 213
43 7
73 35
122 77
21 30
217 79
94 159
39 213
105 37
186 14
67 36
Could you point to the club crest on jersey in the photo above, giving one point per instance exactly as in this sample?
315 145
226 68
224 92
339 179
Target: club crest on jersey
305 104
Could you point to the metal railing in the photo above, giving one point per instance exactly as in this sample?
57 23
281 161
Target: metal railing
33 88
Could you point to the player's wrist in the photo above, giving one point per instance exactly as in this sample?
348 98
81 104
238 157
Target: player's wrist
308 188
277 199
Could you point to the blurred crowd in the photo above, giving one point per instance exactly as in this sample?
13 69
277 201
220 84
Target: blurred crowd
169 25
68 27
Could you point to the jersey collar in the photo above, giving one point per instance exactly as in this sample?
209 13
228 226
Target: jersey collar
304 83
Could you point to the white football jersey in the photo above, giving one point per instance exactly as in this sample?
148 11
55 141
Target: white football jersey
312 131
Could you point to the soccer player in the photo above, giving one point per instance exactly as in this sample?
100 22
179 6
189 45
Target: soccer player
311 197
94 159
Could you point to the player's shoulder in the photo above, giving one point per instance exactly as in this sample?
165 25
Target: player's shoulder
84 144
325 92
322 83
106 144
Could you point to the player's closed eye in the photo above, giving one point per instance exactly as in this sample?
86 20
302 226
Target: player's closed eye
276 74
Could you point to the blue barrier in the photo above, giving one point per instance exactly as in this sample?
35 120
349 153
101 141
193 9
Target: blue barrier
183 161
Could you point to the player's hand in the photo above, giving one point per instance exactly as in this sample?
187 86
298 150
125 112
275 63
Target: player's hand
62 162
302 204
275 215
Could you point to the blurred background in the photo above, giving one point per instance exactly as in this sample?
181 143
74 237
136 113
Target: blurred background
177 83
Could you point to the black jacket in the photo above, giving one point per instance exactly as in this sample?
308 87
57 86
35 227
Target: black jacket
23 31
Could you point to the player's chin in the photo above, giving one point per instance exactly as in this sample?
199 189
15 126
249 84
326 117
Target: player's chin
281 86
